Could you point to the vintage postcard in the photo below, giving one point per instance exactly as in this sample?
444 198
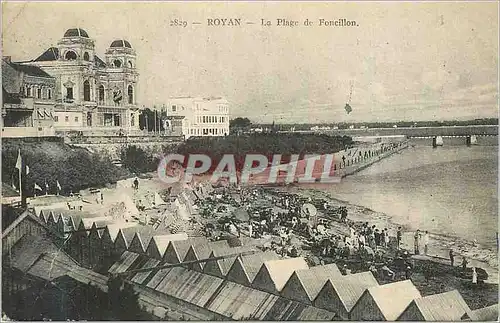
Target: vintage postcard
263 161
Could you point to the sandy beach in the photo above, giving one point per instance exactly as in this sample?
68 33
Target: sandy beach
439 245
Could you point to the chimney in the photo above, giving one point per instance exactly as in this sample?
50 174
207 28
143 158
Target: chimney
7 59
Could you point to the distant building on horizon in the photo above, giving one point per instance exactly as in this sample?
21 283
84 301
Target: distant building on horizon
201 116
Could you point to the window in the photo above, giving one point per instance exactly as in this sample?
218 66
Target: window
130 94
101 94
56 118
39 93
66 118
203 119
28 92
130 64
132 120
89 119
117 63
76 119
49 94
86 56
69 93
174 108
70 55
86 91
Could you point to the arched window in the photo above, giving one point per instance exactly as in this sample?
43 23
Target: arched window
101 94
130 64
86 91
117 63
70 55
130 94
86 56
49 94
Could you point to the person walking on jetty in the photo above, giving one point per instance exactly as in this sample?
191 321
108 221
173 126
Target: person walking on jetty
416 242
399 235
426 242
136 183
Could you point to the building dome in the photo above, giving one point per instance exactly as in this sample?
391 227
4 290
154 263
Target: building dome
76 32
120 43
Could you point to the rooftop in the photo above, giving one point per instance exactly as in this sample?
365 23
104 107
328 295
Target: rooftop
120 43
76 32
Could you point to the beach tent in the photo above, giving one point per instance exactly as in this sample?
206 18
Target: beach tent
158 200
485 314
384 302
444 307
305 284
202 251
220 268
245 268
274 274
341 293
159 243
176 250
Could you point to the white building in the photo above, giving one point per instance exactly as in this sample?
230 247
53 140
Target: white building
202 116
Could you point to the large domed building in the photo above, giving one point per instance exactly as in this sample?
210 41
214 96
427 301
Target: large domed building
92 94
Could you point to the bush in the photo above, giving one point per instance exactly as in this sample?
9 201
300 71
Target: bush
138 160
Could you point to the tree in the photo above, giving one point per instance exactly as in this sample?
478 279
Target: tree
239 124
147 119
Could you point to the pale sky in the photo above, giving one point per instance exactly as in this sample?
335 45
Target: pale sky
406 61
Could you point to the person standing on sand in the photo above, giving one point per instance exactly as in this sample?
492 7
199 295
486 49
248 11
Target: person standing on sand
464 263
474 275
452 258
416 242
399 235
426 241
362 241
386 238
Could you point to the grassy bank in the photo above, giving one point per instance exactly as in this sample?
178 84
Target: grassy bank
75 168
267 144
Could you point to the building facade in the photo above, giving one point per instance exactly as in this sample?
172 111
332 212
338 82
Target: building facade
92 94
27 100
202 116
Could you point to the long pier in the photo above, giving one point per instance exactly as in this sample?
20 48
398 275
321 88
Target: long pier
357 167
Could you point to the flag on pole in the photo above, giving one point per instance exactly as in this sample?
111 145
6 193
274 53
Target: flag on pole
38 188
19 163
